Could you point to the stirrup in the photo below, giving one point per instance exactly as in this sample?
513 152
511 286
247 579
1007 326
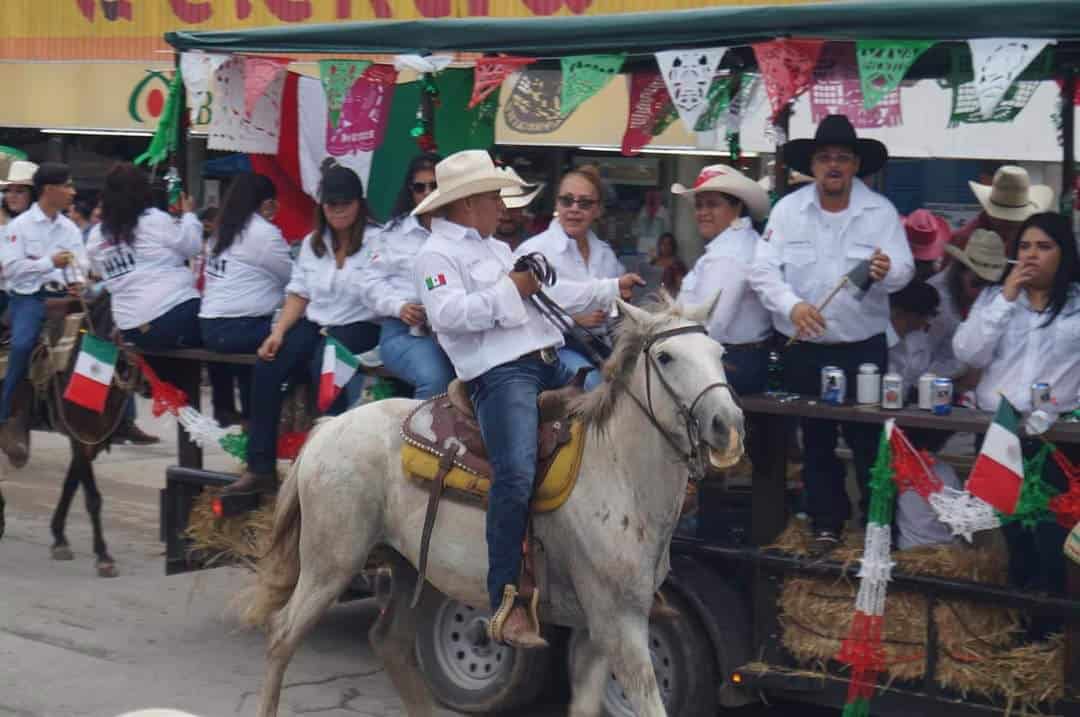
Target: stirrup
510 600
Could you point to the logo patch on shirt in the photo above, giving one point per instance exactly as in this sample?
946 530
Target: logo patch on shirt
768 235
434 282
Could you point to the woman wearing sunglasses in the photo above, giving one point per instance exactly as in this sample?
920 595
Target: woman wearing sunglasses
406 347
587 272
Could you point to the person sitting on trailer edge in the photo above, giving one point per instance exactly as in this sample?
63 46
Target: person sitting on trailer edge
815 236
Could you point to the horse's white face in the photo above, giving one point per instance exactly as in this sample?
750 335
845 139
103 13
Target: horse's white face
691 365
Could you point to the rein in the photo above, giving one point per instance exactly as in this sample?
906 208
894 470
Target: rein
549 309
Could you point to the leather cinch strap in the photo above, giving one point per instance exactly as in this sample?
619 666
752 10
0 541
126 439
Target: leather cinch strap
446 464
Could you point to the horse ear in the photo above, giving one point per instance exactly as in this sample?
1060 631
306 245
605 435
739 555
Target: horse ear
702 312
636 315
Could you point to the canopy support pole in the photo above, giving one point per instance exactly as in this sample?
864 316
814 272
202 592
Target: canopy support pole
180 158
1068 136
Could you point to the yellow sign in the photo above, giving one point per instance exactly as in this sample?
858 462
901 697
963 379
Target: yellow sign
133 29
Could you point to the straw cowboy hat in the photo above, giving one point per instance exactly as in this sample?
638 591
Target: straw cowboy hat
21 172
836 130
794 178
927 234
984 254
520 196
464 174
1011 196
722 178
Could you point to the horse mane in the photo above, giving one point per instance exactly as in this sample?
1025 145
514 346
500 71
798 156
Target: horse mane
596 407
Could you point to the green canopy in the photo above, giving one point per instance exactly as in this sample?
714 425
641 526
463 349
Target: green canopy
940 20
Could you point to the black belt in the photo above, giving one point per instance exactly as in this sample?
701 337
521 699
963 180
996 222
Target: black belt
546 354
747 347
831 344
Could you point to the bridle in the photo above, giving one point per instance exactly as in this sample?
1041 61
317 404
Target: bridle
691 456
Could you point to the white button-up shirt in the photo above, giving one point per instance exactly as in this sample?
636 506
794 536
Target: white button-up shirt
909 355
473 306
739 316
387 280
335 296
148 277
29 242
808 250
248 278
943 361
584 286
1007 341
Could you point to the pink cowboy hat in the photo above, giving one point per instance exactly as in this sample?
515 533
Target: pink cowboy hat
927 234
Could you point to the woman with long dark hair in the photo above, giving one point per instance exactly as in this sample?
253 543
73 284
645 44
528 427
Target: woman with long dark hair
323 298
247 267
141 254
406 347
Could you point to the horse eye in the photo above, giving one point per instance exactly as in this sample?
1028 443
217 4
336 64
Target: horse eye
664 358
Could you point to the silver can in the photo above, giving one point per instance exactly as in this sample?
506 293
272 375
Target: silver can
833 385
892 391
1041 396
942 396
926 391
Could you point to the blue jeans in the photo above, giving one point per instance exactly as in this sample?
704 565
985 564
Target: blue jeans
298 359
238 335
177 328
574 361
417 360
505 401
827 500
27 316
747 369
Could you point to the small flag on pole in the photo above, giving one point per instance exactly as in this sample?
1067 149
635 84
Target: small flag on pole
339 365
998 472
89 384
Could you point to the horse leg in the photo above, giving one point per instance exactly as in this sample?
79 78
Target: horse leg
106 566
3 520
626 642
324 576
589 678
60 548
392 638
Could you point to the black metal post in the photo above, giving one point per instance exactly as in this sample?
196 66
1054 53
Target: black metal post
180 157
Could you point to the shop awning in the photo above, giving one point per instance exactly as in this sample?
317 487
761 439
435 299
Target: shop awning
940 20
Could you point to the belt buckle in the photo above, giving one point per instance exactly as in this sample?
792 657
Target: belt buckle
548 355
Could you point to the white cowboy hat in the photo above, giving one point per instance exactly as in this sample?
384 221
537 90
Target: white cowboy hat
722 178
522 195
984 254
21 172
794 178
464 174
1012 197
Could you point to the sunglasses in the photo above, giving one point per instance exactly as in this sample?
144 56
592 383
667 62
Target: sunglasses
421 187
568 200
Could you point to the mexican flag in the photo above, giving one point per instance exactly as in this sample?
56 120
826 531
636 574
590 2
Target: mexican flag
89 385
998 472
338 366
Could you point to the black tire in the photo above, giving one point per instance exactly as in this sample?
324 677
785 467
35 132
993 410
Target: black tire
684 662
466 672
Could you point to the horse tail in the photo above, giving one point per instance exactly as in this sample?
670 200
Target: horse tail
279 568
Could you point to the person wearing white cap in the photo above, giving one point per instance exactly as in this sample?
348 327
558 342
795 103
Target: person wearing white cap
1006 202
406 347
18 190
725 201
815 236
588 274
502 347
511 226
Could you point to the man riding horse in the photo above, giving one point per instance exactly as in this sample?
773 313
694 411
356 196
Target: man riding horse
503 348
35 249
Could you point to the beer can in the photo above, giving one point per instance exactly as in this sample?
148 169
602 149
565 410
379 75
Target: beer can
833 385
892 391
926 391
1041 396
942 396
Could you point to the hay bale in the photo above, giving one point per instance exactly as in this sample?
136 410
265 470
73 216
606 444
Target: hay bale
816 613
239 539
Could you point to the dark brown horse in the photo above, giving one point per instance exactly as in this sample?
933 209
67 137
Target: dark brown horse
39 404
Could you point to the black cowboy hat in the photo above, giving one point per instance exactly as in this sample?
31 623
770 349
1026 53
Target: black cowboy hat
836 130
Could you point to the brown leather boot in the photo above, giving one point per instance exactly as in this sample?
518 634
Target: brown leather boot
249 482
515 623
14 443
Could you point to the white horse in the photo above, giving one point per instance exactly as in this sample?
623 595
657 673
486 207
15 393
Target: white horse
665 406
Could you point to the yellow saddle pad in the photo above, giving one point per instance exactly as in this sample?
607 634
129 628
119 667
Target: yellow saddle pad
556 483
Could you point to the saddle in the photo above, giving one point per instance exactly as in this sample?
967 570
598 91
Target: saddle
443 449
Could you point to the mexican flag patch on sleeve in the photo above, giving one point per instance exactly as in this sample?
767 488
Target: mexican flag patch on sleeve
435 281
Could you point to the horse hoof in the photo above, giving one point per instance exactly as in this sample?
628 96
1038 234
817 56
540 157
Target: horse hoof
106 569
62 552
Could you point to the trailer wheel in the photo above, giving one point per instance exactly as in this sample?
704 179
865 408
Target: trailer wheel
682 659
467 672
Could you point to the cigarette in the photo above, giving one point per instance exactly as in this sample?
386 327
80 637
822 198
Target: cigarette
1012 261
